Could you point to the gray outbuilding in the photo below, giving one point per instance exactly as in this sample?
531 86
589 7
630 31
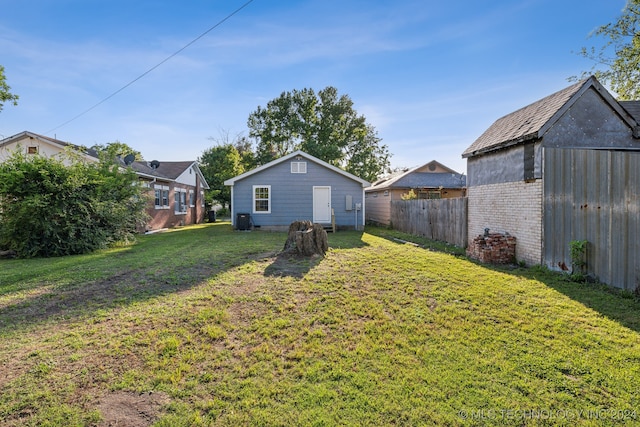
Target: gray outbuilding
565 168
295 187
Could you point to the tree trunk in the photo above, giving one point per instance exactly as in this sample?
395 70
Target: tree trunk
306 239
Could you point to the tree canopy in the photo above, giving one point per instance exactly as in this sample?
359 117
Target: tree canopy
226 159
324 125
116 149
5 94
218 164
618 59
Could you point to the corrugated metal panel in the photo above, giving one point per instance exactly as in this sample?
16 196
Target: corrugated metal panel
593 195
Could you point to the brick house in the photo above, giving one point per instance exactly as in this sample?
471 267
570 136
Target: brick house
177 192
558 170
177 188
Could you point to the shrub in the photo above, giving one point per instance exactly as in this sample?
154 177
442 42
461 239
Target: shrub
48 208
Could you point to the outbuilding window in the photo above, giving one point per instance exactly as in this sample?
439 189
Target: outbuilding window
261 199
298 167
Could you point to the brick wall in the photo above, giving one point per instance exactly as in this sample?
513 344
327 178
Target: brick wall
511 207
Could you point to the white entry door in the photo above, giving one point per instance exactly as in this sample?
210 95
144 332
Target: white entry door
322 204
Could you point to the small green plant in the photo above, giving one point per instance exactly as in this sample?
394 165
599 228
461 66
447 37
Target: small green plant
411 195
578 251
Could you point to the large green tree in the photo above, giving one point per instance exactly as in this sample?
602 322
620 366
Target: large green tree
5 94
116 149
50 208
618 59
324 125
230 156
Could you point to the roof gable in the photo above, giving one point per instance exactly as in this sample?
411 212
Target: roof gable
434 167
423 176
531 122
52 142
301 154
170 171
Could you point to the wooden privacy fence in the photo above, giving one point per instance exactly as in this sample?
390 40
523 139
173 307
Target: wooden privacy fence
437 219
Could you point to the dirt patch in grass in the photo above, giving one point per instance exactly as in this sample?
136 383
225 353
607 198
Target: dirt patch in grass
129 409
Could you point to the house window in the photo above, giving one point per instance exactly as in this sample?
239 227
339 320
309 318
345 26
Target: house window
161 197
180 206
202 198
386 193
192 198
261 199
32 150
298 167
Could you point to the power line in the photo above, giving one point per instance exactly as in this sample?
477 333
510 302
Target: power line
222 21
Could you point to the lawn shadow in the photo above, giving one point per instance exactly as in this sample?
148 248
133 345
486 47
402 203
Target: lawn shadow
159 265
418 241
620 306
346 240
615 304
290 264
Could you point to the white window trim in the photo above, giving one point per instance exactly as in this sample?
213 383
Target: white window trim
180 191
253 201
192 199
161 188
298 167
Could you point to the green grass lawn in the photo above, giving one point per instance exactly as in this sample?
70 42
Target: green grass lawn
208 326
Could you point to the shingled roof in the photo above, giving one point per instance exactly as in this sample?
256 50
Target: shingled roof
166 170
531 122
90 152
416 178
633 107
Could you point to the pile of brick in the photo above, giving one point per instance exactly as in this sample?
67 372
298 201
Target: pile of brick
493 248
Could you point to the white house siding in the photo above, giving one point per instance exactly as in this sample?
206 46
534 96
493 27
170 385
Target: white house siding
512 207
22 143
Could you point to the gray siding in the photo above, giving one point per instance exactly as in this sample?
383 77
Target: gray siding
502 166
593 195
292 195
590 123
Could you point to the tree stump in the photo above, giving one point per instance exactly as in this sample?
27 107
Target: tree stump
307 239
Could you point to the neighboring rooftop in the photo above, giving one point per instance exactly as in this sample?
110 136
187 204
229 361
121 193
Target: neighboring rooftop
430 175
26 134
169 170
633 108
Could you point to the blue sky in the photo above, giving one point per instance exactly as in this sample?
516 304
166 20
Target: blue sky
430 76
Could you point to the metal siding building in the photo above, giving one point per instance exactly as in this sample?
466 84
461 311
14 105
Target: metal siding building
564 168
